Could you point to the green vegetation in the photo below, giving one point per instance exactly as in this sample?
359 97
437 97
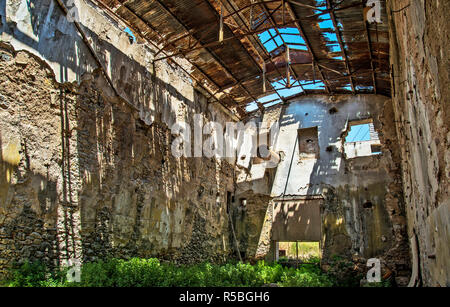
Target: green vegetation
34 275
305 249
343 272
138 272
152 273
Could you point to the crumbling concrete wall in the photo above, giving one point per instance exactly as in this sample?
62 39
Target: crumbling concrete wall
420 63
350 228
250 222
254 180
87 174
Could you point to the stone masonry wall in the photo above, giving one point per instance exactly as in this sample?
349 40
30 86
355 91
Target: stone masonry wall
420 61
83 177
86 174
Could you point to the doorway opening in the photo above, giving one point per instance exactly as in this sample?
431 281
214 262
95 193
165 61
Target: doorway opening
294 254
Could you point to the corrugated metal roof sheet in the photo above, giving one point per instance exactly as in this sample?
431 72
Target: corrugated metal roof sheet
345 53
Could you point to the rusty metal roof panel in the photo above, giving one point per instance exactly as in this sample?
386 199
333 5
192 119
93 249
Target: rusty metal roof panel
346 55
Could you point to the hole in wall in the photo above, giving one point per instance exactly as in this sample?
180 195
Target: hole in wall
289 252
308 140
376 149
131 36
368 205
200 191
333 110
361 139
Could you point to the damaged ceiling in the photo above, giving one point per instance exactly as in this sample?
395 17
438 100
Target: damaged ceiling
332 49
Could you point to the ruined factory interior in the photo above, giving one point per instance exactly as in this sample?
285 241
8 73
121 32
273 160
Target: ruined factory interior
197 131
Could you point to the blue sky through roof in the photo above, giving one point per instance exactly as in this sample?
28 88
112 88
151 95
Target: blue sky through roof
291 37
358 133
271 40
130 33
327 23
251 107
309 85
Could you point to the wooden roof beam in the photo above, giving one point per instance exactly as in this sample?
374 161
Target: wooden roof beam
274 24
239 15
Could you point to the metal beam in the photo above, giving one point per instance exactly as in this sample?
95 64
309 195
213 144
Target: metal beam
341 44
308 44
205 75
272 21
239 15
369 44
232 5
131 12
210 52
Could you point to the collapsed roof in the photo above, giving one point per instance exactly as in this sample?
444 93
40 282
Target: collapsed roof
329 45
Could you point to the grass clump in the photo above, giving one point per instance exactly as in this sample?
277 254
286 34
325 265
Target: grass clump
139 272
34 275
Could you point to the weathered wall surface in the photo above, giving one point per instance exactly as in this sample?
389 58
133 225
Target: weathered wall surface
86 174
420 62
348 228
253 223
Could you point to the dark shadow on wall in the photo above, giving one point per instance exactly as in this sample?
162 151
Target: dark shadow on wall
248 222
68 204
117 172
350 225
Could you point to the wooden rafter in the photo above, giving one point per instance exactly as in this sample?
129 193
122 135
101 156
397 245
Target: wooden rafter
232 5
272 21
221 75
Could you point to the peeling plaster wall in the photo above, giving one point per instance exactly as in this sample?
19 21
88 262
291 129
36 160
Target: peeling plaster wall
86 174
348 229
420 62
254 182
